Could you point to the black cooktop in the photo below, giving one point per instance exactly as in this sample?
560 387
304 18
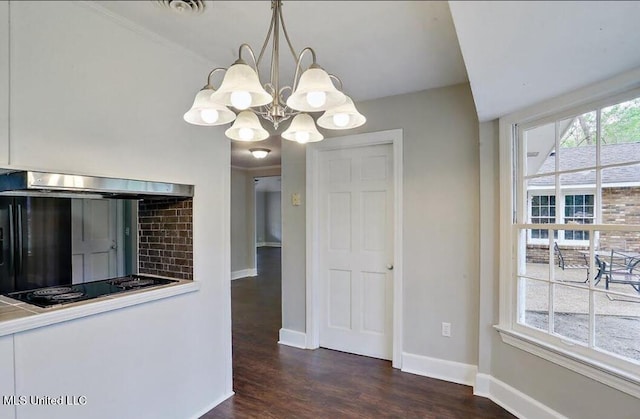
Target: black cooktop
65 294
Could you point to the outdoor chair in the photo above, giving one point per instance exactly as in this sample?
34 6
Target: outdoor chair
623 268
572 262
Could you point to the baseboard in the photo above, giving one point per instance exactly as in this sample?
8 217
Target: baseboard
212 405
514 401
456 372
268 244
243 273
293 338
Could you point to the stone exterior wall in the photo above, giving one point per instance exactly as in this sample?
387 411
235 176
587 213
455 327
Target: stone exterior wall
165 232
619 206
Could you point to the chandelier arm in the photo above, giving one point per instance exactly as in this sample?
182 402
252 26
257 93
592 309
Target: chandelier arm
286 35
253 56
211 74
298 61
336 78
266 41
281 91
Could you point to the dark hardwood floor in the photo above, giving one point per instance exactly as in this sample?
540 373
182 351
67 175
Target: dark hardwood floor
276 381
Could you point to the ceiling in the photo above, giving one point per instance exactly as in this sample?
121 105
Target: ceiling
378 48
515 53
519 53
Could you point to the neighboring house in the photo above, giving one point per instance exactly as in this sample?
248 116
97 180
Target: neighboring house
578 205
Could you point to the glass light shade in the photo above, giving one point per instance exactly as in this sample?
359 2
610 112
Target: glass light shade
247 128
307 96
302 130
259 153
344 116
241 78
206 112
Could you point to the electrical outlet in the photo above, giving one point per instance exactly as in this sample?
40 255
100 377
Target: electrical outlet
446 329
295 199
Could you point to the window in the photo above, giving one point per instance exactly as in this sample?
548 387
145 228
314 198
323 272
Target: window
575 206
578 209
543 211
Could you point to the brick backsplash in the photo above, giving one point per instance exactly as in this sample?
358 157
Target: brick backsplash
165 233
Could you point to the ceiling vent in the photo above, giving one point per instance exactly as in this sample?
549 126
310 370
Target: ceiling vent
184 7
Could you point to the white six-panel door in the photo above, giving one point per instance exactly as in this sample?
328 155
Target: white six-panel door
356 250
93 245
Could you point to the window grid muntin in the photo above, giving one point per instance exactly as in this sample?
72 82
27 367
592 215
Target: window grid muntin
522 212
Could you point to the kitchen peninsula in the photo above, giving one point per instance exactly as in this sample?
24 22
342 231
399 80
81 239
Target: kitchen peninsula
101 107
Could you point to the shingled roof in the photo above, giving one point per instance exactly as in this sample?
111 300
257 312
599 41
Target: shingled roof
585 156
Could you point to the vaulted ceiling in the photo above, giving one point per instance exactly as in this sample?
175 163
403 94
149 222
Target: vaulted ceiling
515 53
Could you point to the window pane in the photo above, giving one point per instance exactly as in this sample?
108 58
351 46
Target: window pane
583 180
571 263
536 263
534 303
540 143
578 142
621 195
621 133
542 211
621 270
618 324
571 313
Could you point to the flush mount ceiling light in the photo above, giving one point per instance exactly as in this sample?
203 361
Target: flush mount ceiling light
259 153
313 90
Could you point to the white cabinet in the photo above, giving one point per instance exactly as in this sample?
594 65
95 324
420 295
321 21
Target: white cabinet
7 410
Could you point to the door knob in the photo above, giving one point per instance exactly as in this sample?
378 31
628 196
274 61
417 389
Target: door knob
389 266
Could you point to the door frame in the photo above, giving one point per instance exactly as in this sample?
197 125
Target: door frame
393 137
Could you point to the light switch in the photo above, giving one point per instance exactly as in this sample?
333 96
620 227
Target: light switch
295 199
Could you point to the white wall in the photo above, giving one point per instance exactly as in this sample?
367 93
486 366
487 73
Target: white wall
293 237
562 390
241 243
243 217
441 216
90 95
4 82
273 217
260 217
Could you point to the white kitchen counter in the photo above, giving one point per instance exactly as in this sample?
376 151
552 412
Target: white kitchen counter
16 316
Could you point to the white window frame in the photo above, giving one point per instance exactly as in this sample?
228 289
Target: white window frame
610 370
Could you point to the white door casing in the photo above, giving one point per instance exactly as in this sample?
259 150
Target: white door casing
94 239
354 244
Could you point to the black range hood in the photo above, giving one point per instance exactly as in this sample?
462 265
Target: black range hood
32 183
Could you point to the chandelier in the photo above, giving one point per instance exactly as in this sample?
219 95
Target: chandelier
313 90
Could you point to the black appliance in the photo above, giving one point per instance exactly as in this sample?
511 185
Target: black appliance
35 238
66 294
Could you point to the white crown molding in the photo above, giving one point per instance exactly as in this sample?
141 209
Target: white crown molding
140 30
256 169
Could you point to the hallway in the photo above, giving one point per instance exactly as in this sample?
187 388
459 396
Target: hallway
275 381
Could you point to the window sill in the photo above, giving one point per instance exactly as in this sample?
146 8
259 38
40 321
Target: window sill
605 374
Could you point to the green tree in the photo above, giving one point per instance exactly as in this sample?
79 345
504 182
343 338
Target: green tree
620 123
